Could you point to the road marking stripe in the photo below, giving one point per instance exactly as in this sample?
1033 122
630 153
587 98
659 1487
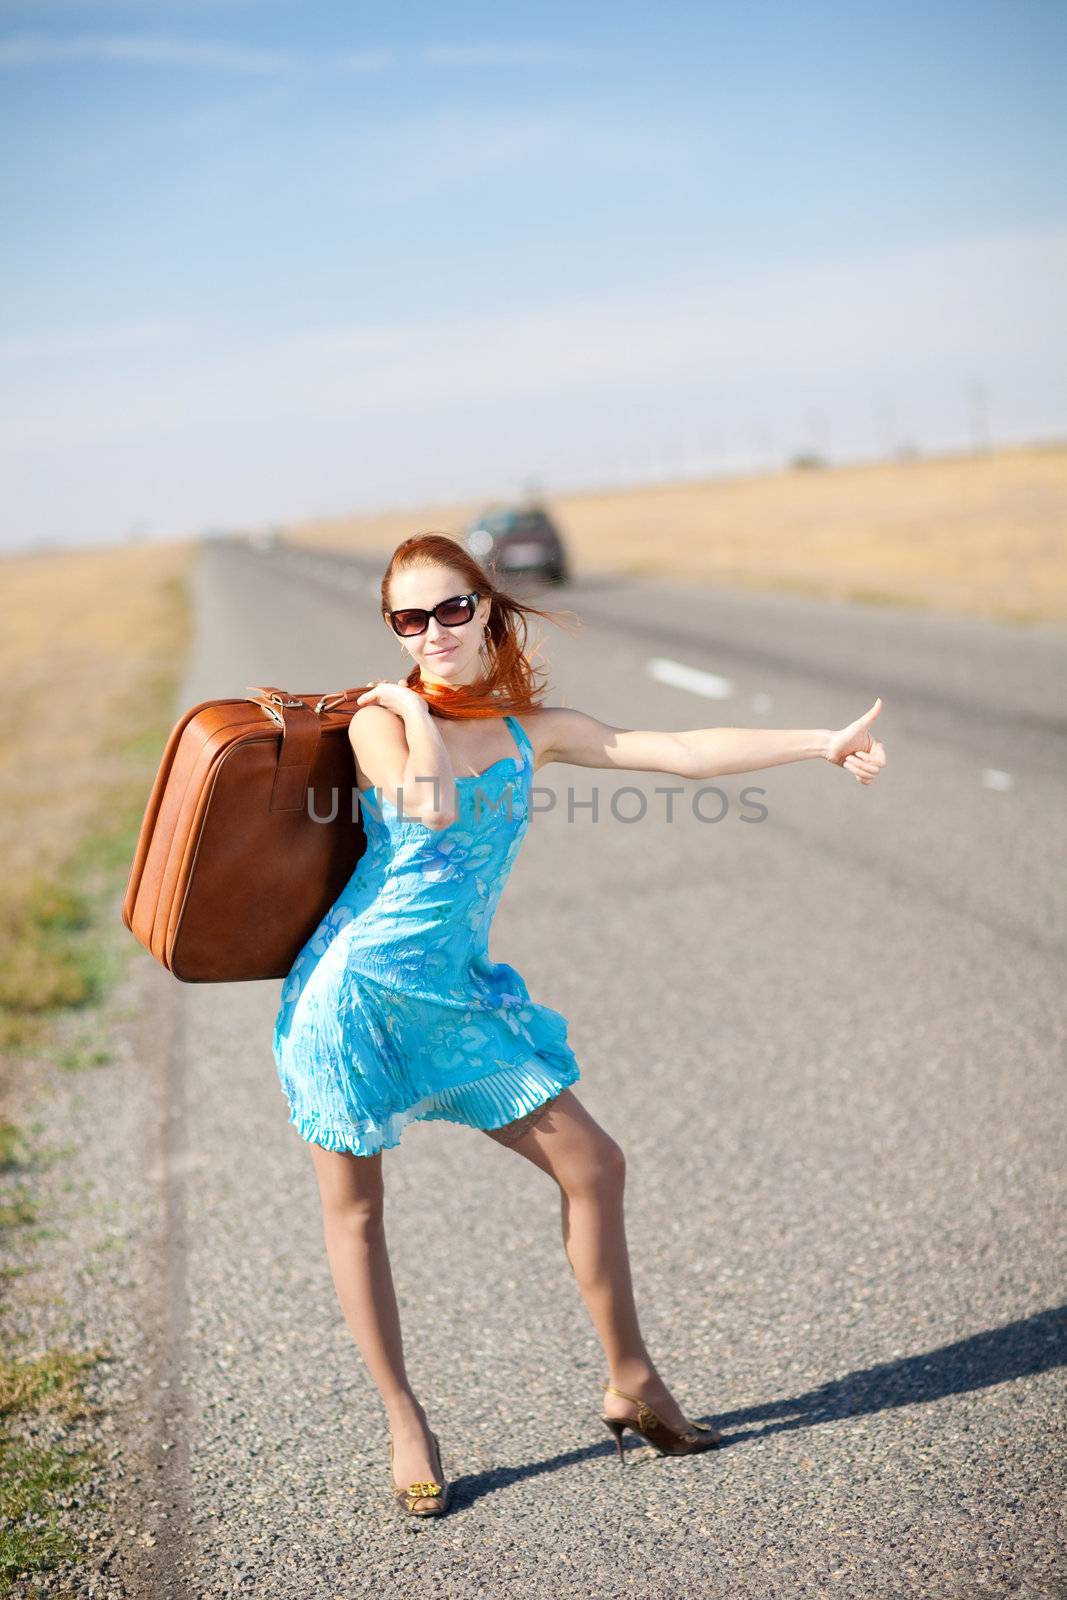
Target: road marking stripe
679 676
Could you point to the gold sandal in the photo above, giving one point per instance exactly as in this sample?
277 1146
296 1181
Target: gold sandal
653 1429
427 1497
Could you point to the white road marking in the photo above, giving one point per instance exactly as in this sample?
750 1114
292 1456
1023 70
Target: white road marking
680 676
997 780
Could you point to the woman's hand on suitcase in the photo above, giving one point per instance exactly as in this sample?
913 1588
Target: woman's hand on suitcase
394 697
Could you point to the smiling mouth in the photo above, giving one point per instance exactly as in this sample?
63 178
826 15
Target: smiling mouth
447 652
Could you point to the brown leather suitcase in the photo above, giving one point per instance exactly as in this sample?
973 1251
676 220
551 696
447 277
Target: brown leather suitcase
252 829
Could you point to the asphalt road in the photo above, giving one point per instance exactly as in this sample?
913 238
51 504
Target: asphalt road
832 1046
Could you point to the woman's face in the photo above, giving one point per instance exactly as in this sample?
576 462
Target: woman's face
444 655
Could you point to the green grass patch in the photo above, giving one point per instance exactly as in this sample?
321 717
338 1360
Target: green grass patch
50 1382
34 1478
14 1149
42 961
62 948
17 1212
81 1056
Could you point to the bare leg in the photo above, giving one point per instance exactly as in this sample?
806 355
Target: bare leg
590 1168
352 1191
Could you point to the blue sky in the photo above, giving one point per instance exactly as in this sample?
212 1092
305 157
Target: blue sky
265 261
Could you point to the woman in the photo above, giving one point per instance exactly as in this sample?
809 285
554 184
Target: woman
393 1011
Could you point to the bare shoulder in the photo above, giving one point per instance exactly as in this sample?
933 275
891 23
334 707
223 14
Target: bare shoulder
374 722
540 727
378 742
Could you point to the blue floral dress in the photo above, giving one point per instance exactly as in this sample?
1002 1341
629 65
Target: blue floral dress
392 1011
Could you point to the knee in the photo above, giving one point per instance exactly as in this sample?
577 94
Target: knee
359 1217
614 1161
604 1168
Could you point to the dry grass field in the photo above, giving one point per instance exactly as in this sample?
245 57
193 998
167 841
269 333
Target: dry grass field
980 534
88 655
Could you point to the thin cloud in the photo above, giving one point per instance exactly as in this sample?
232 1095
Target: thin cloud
412 157
38 50
108 339
499 55
35 49
866 318
361 60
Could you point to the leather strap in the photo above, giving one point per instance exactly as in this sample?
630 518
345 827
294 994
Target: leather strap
299 745
635 1398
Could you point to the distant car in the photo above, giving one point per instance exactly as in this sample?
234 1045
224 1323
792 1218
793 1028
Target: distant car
519 539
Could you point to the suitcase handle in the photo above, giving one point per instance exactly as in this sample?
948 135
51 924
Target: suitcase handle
330 701
274 699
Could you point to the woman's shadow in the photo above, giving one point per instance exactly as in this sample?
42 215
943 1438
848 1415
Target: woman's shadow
1016 1350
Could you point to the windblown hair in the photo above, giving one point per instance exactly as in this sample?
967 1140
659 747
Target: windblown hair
508 683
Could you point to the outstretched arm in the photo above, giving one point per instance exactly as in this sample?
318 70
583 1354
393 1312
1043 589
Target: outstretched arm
712 752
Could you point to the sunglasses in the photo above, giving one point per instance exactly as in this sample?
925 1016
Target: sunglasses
452 613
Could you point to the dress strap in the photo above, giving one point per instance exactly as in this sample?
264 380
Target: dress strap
522 739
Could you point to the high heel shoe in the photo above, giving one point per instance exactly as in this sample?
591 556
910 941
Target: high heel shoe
653 1429
426 1498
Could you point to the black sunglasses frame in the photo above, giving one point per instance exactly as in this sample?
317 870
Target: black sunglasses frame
473 597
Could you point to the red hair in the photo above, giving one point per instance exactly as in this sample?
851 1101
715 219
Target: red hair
508 676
